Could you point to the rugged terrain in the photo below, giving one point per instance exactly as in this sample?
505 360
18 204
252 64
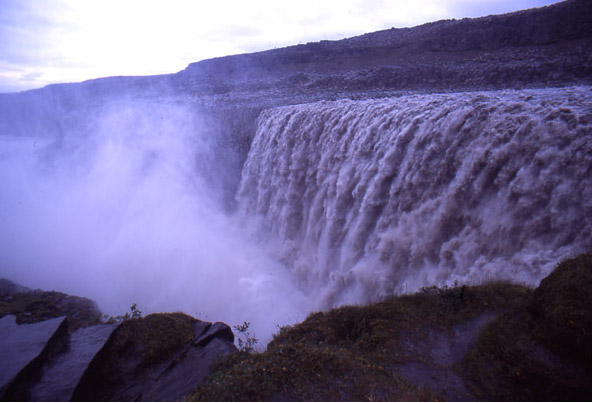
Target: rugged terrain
548 46
496 341
57 347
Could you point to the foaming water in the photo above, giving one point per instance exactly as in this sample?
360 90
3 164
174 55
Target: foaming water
339 202
363 199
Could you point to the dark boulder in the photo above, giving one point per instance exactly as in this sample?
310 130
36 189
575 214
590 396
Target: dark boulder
62 373
159 357
23 350
44 358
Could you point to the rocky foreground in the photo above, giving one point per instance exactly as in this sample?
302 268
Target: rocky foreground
497 341
80 355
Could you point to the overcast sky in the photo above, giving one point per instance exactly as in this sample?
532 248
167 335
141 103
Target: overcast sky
49 41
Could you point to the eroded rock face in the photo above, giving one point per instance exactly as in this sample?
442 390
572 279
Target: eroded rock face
62 373
160 357
23 348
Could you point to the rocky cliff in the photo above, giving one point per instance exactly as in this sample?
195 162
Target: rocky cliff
453 343
548 46
538 47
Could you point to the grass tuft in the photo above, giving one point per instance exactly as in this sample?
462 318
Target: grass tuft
536 346
152 338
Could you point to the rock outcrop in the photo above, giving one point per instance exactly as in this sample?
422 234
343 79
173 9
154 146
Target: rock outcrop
61 374
161 357
31 306
23 349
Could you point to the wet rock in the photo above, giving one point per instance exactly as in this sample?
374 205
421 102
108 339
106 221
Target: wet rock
23 350
218 330
187 371
62 373
159 357
440 351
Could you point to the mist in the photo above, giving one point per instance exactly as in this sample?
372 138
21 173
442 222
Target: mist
118 210
146 201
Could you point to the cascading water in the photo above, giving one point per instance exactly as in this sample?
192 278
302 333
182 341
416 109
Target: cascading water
374 197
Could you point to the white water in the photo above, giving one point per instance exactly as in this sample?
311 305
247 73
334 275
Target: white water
363 199
345 201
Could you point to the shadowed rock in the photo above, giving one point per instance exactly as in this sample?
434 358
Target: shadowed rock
8 288
563 302
159 357
23 350
62 373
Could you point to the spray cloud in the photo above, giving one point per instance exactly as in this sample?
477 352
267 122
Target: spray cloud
119 212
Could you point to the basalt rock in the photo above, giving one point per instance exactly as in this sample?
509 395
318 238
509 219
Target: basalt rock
23 351
61 374
159 357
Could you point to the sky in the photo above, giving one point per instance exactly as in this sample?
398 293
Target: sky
53 41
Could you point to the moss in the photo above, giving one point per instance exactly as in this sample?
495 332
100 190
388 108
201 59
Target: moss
352 352
152 338
305 373
509 363
36 306
539 350
564 302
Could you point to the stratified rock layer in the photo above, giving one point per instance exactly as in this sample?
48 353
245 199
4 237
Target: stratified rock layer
62 374
21 345
161 357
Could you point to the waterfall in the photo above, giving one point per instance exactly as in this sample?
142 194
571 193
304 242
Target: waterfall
365 198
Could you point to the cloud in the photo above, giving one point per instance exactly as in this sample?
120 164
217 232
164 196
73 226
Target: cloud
26 31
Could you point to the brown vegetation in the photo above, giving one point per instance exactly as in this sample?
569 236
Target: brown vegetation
495 341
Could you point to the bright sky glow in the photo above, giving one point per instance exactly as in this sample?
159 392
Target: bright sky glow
49 41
